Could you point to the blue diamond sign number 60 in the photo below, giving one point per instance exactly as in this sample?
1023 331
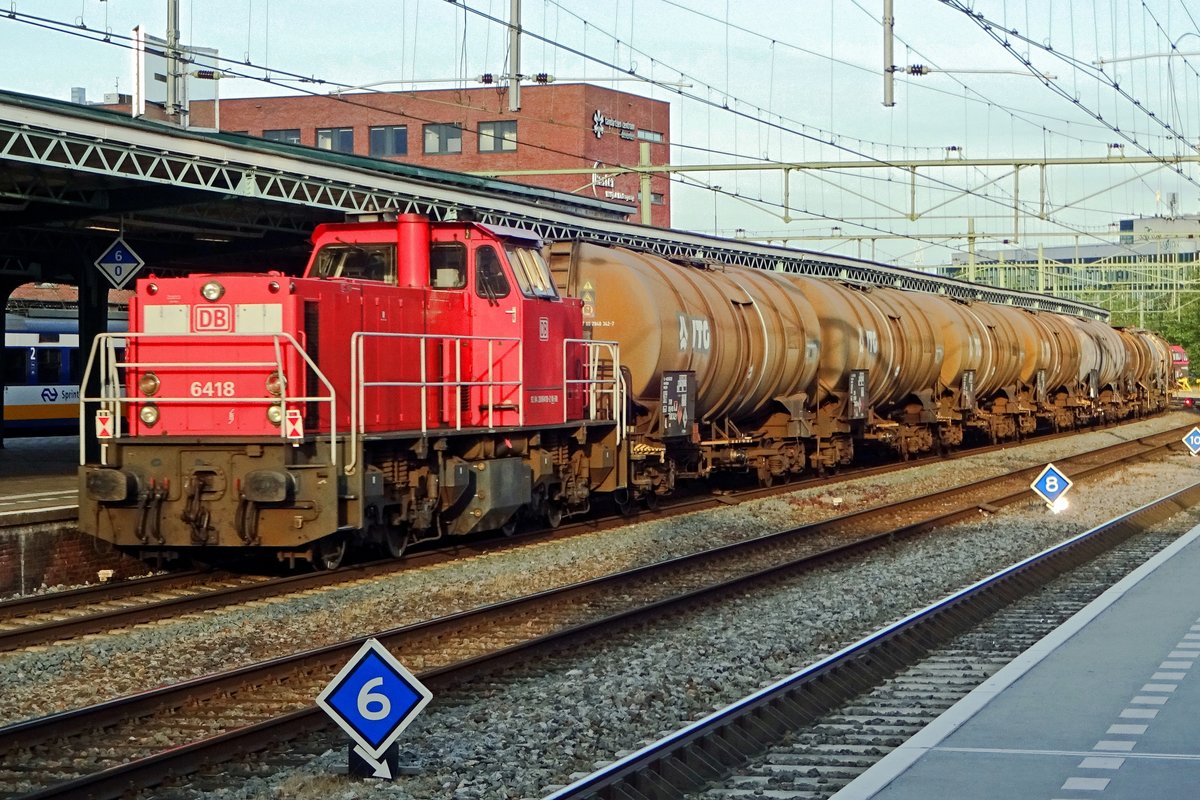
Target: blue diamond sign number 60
119 263
374 698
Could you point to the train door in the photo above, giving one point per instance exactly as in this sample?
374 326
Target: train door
549 322
497 313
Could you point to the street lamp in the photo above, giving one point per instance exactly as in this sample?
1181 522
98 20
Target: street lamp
715 190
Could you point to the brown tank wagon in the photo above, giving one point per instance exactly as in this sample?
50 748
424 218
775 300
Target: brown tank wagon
786 372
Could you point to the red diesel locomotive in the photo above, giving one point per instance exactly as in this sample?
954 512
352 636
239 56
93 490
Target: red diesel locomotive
418 381
432 379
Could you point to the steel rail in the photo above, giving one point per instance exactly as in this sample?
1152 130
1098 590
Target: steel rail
689 759
145 771
40 633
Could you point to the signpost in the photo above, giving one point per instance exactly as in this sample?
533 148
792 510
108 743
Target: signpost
119 263
1192 440
1051 485
374 698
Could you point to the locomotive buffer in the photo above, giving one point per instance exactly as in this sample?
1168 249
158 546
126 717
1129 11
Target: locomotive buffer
373 699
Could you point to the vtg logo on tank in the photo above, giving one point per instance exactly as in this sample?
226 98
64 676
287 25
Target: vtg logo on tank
695 333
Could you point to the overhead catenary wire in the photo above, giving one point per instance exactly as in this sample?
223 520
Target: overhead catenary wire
279 77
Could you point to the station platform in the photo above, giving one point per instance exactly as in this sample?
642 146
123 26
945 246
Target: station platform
1106 706
38 473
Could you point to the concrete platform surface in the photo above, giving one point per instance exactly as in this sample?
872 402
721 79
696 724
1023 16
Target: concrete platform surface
1107 707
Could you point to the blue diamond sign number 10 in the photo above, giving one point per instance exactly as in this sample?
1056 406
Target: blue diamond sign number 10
373 699
1192 440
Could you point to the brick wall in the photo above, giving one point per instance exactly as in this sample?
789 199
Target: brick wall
556 129
50 555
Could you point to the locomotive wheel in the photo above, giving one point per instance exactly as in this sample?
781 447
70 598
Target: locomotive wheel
329 552
554 514
510 528
396 540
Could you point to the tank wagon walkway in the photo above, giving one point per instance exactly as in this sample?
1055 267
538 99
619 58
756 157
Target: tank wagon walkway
1105 707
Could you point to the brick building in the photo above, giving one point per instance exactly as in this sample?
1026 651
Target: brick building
569 126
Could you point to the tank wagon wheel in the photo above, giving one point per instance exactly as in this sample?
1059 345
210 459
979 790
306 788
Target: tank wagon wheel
397 540
652 500
330 551
765 478
624 500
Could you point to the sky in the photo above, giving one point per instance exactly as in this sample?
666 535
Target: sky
753 83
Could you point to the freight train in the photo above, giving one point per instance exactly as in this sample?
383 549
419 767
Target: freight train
434 379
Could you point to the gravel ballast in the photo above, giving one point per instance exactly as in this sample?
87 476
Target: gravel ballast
520 733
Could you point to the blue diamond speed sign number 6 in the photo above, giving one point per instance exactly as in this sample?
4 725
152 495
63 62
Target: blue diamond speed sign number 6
1051 484
1192 440
374 698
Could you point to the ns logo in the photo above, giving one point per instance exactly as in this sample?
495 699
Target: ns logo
695 333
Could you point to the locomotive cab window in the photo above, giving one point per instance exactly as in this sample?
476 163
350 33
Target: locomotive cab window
365 262
490 281
448 265
532 271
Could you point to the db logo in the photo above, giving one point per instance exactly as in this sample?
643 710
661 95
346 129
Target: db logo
212 318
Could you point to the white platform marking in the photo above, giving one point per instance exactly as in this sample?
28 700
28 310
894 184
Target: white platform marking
1086 784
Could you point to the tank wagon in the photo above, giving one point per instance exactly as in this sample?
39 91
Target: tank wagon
437 379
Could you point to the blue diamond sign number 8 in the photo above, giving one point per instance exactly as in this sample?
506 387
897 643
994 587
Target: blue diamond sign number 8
374 698
1051 484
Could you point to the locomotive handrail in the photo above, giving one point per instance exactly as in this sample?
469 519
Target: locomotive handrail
112 398
359 384
594 382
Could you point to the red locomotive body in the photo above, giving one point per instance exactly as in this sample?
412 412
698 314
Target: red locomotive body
418 380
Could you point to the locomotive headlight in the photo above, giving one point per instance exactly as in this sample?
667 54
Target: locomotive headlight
275 384
274 414
149 414
149 384
212 291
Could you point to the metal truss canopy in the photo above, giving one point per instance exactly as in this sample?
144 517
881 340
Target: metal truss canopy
56 145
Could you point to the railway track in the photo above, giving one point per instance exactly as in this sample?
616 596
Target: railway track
811 734
56 616
172 729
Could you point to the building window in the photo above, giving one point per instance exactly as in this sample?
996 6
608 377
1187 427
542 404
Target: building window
656 198
389 140
287 135
649 136
498 137
340 140
443 137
